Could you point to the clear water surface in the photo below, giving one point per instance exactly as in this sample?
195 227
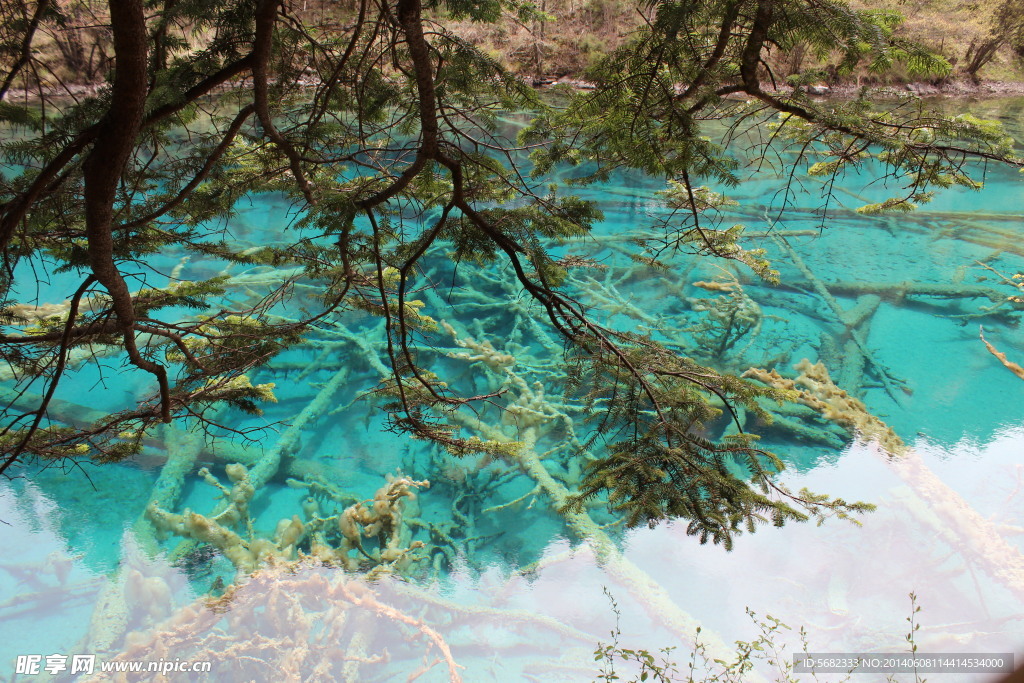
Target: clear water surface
515 594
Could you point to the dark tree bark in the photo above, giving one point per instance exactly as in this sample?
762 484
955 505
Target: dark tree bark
105 163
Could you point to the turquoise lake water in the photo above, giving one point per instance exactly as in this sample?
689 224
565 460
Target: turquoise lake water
505 581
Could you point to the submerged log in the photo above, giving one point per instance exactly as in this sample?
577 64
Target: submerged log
60 410
855 349
897 291
269 462
960 525
77 415
802 431
644 589
857 321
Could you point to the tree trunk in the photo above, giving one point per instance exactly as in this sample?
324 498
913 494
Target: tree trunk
114 143
103 167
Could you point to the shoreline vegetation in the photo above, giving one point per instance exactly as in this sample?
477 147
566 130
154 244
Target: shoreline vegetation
982 44
952 89
558 42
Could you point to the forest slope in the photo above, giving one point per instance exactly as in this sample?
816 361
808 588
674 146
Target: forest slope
981 40
560 39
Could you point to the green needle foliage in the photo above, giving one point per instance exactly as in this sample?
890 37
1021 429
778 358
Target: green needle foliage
381 131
